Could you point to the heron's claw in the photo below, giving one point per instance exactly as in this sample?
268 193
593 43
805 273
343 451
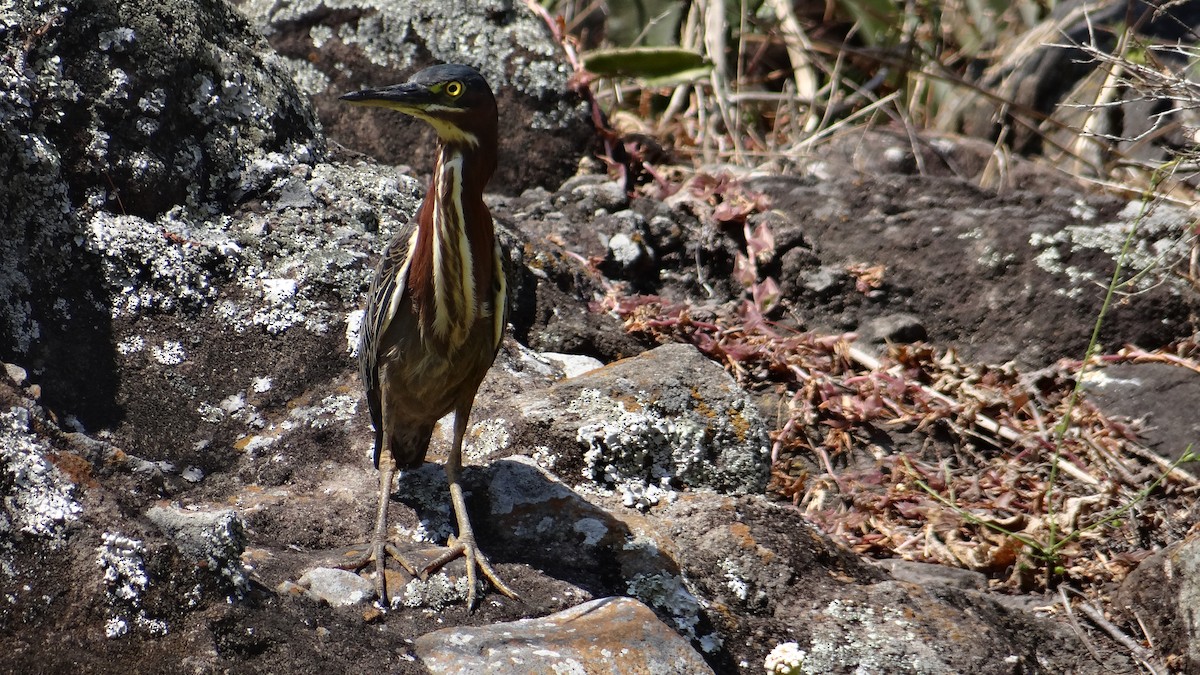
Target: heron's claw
380 551
465 547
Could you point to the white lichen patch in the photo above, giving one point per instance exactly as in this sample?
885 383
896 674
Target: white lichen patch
642 446
256 443
642 495
544 457
428 532
234 403
434 594
131 345
146 270
169 353
785 659
593 530
353 331
669 594
1082 210
124 568
116 39
735 580
1161 237
485 438
278 291
310 79
335 408
125 580
36 499
875 641
210 413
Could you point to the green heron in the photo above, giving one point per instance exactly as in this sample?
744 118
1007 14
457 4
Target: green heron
436 308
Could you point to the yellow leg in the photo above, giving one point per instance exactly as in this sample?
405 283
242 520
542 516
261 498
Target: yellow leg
380 548
464 545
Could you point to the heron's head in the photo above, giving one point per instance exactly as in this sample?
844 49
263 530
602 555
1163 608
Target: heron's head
453 98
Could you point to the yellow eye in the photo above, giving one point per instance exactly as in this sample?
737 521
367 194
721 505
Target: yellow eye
454 89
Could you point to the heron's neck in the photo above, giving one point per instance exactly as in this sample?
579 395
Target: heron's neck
462 242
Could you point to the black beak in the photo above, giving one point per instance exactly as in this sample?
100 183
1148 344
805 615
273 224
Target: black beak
400 95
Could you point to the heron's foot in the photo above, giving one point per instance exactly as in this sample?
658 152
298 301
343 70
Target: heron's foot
465 547
380 551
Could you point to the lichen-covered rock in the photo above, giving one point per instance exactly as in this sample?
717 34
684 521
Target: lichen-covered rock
763 584
645 426
135 109
642 428
213 540
110 113
36 499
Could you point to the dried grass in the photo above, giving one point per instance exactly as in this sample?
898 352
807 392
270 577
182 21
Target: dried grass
921 456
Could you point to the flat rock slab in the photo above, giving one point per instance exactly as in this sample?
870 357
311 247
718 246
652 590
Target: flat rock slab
608 635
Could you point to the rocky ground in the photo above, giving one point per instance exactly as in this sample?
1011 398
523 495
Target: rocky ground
185 454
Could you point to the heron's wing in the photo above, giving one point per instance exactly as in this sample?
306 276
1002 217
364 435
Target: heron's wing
499 296
384 299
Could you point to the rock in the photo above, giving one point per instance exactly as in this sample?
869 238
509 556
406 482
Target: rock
337 587
646 426
900 327
825 280
952 255
214 539
1158 398
1161 595
627 254
113 115
16 373
597 192
761 586
531 517
574 365
607 635
923 574
669 413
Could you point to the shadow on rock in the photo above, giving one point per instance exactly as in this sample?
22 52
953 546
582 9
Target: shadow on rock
524 515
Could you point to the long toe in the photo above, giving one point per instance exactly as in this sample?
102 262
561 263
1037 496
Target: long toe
476 563
379 552
475 558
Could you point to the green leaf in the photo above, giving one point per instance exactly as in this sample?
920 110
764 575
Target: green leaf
660 64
